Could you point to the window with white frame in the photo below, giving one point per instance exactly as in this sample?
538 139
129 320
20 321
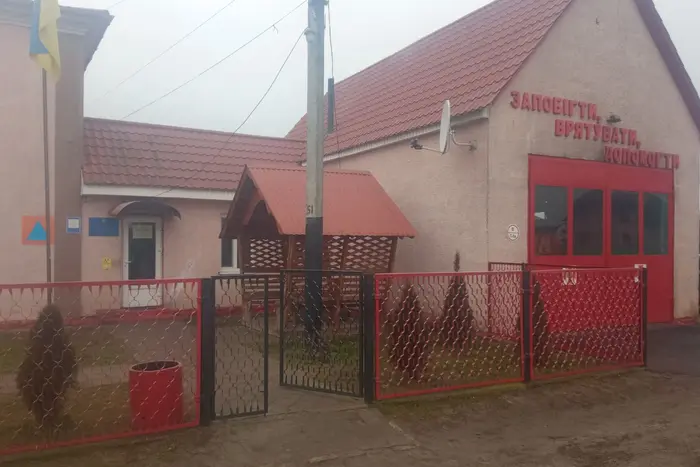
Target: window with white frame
229 254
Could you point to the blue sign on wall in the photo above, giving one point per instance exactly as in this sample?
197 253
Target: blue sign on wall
103 227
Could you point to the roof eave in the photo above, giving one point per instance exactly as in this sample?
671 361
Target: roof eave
460 120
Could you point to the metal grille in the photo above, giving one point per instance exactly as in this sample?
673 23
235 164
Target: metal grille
586 320
320 347
441 332
243 306
84 362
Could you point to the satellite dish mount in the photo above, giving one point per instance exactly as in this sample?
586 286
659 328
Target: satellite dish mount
447 134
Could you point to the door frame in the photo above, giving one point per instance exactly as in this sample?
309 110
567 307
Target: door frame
126 222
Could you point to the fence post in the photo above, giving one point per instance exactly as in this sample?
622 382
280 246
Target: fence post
645 320
266 345
207 411
281 327
368 314
527 323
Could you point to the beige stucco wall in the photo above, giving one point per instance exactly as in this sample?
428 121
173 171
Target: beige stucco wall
599 52
21 148
191 246
443 196
191 250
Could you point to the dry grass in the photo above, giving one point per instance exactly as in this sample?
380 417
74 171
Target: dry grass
93 346
89 412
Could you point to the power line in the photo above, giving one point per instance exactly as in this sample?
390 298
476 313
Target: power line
228 140
272 26
115 4
166 50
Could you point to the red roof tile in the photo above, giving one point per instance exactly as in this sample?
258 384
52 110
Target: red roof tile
138 154
469 62
354 203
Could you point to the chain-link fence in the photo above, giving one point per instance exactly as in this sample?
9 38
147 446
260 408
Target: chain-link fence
83 362
442 332
237 336
321 332
586 320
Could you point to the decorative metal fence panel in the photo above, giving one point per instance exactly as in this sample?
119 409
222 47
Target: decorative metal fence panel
93 361
242 309
586 320
321 331
442 332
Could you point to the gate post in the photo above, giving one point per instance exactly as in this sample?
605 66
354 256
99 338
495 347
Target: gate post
527 323
207 408
369 312
281 326
645 318
266 345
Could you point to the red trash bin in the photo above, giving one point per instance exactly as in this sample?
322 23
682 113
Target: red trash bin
155 395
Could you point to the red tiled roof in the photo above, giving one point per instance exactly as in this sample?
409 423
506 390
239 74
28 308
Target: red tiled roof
139 154
469 62
354 203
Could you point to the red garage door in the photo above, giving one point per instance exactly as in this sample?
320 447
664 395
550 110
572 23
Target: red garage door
594 214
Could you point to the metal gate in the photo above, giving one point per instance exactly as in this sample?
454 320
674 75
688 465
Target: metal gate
236 345
321 331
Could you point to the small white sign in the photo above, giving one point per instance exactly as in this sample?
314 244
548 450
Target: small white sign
142 231
513 232
569 276
73 225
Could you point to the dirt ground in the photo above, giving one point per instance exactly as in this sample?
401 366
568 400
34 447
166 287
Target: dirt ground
639 418
636 419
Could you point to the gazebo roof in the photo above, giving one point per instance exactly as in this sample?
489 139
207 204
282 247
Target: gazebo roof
354 203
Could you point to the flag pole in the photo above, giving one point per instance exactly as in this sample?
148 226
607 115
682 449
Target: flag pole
47 179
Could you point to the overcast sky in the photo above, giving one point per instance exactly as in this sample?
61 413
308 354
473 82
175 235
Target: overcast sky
364 31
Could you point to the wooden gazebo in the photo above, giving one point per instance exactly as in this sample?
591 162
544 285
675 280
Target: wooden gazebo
362 224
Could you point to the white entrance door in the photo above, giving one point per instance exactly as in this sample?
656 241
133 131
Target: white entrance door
143 260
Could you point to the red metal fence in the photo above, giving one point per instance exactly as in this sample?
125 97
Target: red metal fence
442 332
586 320
106 360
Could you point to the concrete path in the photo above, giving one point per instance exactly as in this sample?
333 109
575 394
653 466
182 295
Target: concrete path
321 437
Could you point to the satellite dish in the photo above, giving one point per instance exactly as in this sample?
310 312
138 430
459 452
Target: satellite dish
445 126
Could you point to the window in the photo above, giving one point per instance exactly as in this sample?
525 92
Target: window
229 254
551 236
624 222
588 222
655 224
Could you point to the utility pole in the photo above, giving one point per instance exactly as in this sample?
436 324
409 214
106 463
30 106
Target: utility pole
313 260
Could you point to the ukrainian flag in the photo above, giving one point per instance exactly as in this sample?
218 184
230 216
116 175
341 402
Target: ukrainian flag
43 42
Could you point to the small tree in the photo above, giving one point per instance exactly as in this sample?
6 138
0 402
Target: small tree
48 369
409 336
457 316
